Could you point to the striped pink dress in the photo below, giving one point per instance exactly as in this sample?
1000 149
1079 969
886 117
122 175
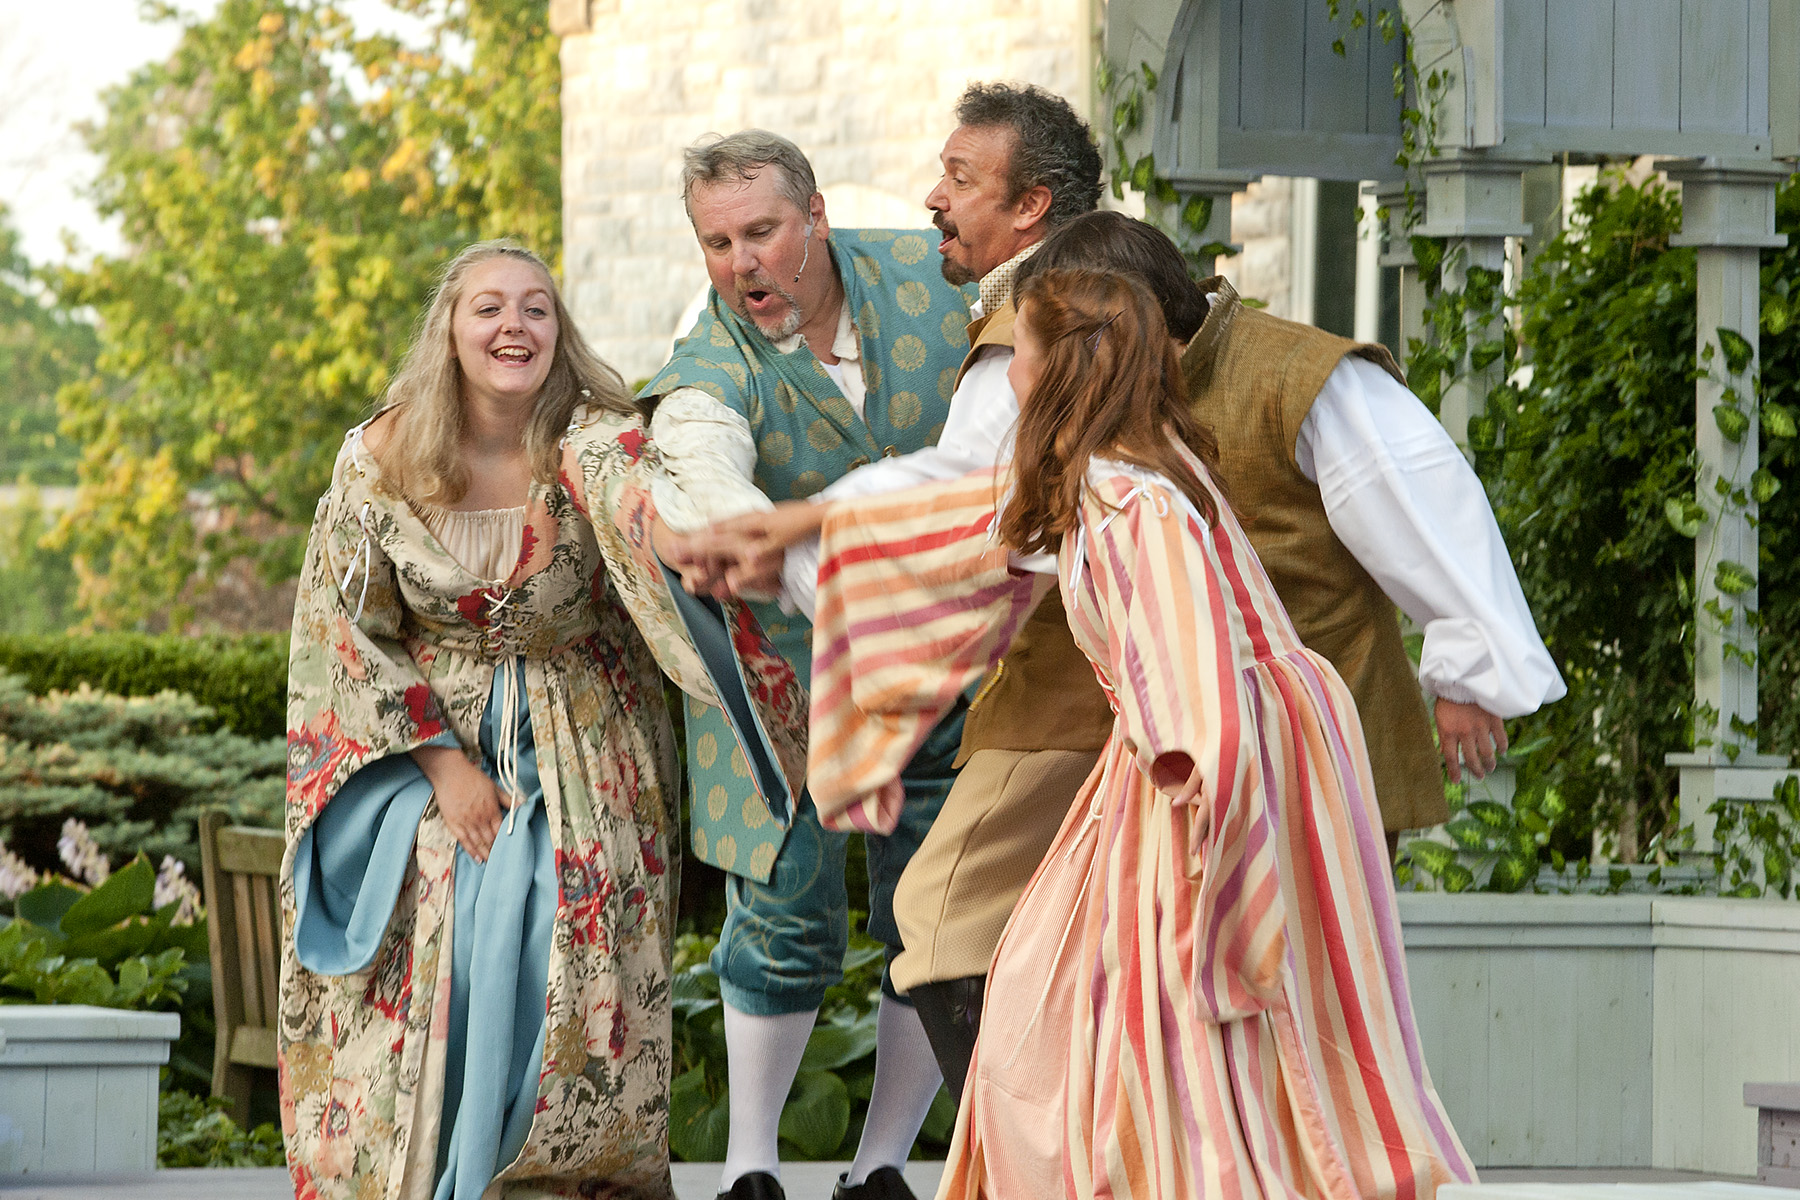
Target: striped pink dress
1204 999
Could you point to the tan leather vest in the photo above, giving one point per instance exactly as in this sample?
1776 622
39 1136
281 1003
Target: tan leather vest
1254 378
1043 695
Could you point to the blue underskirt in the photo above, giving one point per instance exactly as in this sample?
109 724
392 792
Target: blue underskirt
349 868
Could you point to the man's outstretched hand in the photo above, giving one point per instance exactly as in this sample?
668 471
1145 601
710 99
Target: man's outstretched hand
741 556
1469 736
755 544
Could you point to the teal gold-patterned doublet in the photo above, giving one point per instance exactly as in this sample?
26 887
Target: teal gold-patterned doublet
913 332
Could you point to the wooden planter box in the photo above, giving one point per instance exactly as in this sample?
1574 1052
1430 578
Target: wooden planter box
78 1087
1605 1031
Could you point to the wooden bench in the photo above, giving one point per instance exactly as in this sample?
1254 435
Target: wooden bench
1777 1107
239 869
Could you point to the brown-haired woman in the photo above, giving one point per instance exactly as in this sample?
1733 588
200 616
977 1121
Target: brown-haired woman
1201 993
481 804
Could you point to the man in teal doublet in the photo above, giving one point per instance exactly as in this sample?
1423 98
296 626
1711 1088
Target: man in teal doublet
818 352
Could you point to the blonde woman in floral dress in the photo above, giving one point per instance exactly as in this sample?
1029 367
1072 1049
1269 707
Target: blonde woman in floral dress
481 783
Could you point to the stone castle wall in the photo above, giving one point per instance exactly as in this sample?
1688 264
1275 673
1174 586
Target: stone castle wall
865 89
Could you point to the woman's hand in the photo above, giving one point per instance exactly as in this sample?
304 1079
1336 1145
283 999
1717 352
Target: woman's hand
471 805
756 543
691 556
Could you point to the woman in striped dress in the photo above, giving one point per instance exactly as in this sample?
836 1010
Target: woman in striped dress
1202 992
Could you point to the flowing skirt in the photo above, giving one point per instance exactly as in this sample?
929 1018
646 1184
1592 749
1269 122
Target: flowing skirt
349 868
1096 1074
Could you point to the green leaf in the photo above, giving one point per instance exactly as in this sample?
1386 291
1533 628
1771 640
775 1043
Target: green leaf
46 905
832 1045
1196 214
816 1114
1513 873
1732 421
1764 485
1458 878
1778 420
1142 172
1432 857
1485 353
698 1124
1494 816
1738 351
1149 76
1684 515
1468 834
129 892
940 1118
1733 579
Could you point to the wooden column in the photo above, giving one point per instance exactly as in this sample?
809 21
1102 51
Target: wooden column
1397 252
1728 215
1475 201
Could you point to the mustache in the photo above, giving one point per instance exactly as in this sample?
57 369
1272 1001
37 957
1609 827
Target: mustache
758 282
944 225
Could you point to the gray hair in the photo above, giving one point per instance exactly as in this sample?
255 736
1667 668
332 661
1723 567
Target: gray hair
742 156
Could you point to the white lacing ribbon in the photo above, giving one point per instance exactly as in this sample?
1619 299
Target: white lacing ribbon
1145 490
511 673
365 556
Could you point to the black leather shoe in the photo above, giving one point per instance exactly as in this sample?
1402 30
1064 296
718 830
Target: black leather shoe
883 1183
757 1185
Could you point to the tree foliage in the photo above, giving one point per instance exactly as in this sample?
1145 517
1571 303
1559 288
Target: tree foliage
42 347
287 187
1582 463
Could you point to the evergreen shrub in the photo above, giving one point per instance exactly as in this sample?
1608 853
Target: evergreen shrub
137 771
241 679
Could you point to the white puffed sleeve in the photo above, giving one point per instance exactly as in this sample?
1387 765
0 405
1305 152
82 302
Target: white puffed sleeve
1402 498
709 462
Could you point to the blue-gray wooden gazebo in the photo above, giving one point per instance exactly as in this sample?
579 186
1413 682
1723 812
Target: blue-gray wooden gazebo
1254 87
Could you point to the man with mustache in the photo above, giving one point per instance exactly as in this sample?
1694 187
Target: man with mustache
1019 165
819 351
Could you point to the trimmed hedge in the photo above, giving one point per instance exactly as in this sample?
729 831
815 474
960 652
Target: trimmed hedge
243 679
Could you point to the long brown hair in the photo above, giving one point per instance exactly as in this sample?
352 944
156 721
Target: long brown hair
422 453
1110 386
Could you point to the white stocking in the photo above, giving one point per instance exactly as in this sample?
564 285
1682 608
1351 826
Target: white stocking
906 1081
762 1056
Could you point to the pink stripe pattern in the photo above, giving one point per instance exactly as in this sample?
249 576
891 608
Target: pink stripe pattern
1196 999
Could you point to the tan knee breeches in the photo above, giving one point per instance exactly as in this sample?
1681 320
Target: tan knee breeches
960 887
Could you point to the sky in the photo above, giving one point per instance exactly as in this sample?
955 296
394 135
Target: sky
56 58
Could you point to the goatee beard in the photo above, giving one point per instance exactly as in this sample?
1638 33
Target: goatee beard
955 274
783 329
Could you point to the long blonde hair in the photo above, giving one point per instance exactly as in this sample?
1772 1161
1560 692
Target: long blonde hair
421 454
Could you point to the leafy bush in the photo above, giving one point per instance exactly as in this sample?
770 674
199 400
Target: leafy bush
241 680
130 941
823 1116
1589 463
192 1131
137 769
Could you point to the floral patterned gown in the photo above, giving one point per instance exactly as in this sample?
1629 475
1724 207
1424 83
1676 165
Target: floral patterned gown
547 678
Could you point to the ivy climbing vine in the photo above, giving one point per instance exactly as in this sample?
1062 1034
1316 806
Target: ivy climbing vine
1127 96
